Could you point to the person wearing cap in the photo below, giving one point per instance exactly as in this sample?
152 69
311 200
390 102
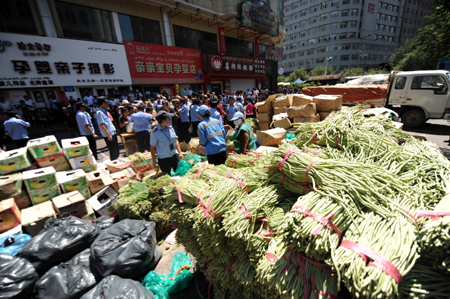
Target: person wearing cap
142 122
183 111
125 103
17 129
233 108
212 136
164 143
214 112
86 127
243 139
107 129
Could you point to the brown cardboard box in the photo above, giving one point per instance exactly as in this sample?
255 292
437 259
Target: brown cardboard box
328 103
281 102
265 117
420 137
34 218
266 106
98 180
184 147
282 123
10 184
271 137
301 99
314 119
279 110
10 215
308 110
324 115
194 144
263 126
104 202
58 161
122 178
22 198
118 165
72 203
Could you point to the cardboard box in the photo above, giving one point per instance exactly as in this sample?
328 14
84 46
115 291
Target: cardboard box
324 115
43 147
266 106
398 125
263 126
104 202
97 180
122 178
34 218
194 144
328 103
82 161
314 119
143 173
57 161
271 137
185 147
90 212
281 102
72 203
39 178
44 195
72 180
118 165
265 117
21 198
10 184
89 168
75 147
308 110
301 99
85 192
10 216
15 160
420 137
282 123
279 110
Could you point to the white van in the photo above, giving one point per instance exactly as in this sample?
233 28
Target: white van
419 95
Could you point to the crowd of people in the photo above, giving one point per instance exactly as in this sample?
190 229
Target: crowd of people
159 123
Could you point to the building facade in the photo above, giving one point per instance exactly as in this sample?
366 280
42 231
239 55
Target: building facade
348 33
98 46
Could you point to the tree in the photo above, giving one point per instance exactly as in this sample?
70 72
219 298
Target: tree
354 71
431 43
377 71
298 73
320 71
282 78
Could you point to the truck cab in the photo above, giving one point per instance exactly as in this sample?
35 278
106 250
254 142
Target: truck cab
419 95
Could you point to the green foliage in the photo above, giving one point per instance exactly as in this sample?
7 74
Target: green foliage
282 78
430 44
298 73
320 71
301 85
354 71
377 71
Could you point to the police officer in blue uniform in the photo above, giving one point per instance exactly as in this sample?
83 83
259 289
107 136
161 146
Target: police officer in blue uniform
212 136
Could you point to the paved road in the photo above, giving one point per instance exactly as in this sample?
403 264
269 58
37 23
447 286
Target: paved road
436 131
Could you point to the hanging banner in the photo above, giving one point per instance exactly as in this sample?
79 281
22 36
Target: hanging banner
156 64
222 39
257 54
256 14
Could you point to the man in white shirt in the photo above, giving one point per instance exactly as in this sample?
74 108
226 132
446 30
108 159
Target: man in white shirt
88 99
124 97
6 106
131 96
31 106
190 91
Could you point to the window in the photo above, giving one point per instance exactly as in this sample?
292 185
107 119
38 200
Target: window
294 6
313 9
320 60
334 3
323 28
300 63
435 83
293 36
355 47
334 48
140 29
333 26
321 50
383 17
381 28
312 20
345 57
344 24
301 53
302 24
16 16
345 13
346 46
343 36
302 43
82 22
384 6
345 2
394 19
323 5
390 7
388 18
303 13
333 36
311 51
312 31
200 40
353 24
292 55
323 17
334 14
355 56
354 12
302 34
312 41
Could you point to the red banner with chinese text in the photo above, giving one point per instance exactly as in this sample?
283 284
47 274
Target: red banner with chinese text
156 64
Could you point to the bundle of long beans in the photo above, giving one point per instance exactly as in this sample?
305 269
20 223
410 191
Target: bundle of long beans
369 265
188 190
235 160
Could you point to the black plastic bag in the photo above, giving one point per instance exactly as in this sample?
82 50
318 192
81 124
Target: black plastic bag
126 249
69 279
17 277
59 240
113 287
105 222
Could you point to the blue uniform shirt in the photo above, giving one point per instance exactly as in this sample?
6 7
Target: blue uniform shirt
16 128
194 113
232 109
184 113
83 118
161 139
216 114
141 121
212 135
103 118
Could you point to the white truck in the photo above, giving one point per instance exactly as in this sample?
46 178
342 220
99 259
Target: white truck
419 95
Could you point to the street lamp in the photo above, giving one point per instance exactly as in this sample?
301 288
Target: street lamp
326 64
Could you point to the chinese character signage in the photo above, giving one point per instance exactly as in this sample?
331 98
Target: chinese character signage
34 61
226 64
154 64
371 8
257 15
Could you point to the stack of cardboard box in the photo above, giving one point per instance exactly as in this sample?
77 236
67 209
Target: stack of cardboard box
265 113
47 152
79 154
41 184
71 180
327 103
75 204
11 186
14 160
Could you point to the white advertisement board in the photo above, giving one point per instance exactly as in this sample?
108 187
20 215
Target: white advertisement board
38 62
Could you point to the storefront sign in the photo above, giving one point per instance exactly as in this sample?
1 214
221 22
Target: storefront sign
156 64
257 15
226 64
34 61
69 88
222 39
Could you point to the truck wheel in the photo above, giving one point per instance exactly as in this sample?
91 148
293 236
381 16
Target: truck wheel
414 118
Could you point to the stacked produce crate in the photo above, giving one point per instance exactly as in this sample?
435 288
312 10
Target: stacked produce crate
41 184
73 180
79 154
47 152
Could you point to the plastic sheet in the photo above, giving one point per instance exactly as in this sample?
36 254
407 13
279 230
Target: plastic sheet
176 281
17 277
126 249
59 240
104 222
182 168
13 244
194 158
114 287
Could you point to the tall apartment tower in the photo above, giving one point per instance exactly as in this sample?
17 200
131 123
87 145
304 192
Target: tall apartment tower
348 33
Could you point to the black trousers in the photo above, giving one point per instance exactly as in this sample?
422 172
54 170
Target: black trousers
92 145
21 142
169 163
194 129
143 141
113 147
217 159
184 132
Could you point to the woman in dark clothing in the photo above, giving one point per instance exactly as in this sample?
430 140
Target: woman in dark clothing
123 120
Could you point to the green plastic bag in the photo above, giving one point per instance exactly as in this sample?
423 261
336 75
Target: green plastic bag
195 158
178 279
290 136
182 168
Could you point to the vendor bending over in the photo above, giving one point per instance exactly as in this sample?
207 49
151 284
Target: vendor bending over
244 139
